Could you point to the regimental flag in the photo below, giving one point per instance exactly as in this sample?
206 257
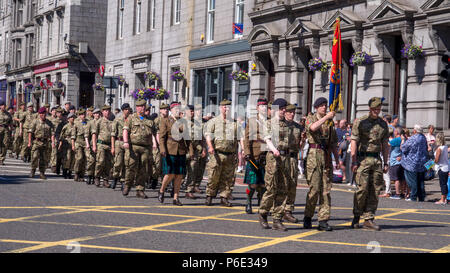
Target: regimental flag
238 28
336 70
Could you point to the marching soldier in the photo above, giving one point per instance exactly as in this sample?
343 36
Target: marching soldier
156 170
5 128
222 136
197 149
79 146
90 114
119 151
102 145
90 154
174 147
370 135
295 134
278 172
137 142
322 141
65 145
42 131
57 156
18 135
255 153
27 119
11 133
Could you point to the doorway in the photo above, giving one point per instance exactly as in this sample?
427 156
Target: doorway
86 99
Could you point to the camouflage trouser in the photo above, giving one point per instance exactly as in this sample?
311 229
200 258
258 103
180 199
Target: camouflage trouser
9 143
119 160
25 152
156 170
319 178
80 159
18 140
90 162
39 156
195 169
68 155
137 161
276 178
369 180
104 161
3 143
221 169
291 186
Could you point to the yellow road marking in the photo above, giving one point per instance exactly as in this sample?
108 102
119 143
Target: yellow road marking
445 249
115 233
417 221
300 235
361 245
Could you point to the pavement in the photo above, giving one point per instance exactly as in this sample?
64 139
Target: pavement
63 216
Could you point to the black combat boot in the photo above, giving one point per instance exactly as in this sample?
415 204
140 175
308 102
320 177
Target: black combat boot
154 184
64 173
307 223
323 225
114 183
289 217
224 202
69 174
89 180
161 197
355 222
208 201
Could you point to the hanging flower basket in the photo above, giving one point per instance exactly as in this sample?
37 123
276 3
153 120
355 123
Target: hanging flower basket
152 76
317 64
98 87
360 59
412 52
143 93
121 80
177 76
162 94
240 75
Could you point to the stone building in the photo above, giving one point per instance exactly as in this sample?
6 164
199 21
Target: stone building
55 50
287 34
5 26
195 37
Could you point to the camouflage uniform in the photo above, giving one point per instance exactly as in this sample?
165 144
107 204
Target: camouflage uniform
90 155
319 168
277 175
224 135
119 151
27 120
5 125
18 138
42 132
369 134
68 154
137 157
104 158
195 163
156 155
295 135
78 134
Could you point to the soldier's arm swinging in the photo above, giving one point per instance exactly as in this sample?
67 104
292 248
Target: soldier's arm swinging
354 149
385 150
316 125
126 145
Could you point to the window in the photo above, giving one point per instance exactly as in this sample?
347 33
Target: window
50 37
18 55
239 15
6 46
1 42
39 44
60 34
19 14
137 17
176 11
210 21
153 15
120 19
175 85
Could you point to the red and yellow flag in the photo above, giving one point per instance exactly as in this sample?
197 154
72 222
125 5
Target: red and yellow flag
336 70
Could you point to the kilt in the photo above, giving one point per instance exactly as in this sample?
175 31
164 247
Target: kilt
174 164
252 175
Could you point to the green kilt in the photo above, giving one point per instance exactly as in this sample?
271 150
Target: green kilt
252 175
174 164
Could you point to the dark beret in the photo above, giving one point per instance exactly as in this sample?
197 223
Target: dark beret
42 110
125 106
320 101
280 102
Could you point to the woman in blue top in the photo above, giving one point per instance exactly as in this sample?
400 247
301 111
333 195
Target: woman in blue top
414 156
